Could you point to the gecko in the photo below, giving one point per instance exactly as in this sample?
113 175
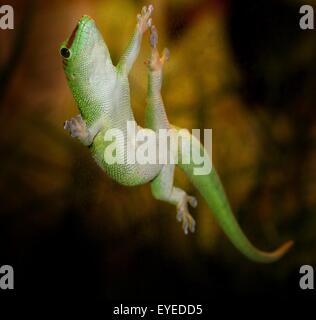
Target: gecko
102 94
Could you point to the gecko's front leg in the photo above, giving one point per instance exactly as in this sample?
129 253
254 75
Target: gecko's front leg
129 56
77 128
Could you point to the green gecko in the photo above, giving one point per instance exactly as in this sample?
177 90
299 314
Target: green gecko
101 91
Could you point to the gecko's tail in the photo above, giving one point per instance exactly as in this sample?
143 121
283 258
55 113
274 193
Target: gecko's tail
213 192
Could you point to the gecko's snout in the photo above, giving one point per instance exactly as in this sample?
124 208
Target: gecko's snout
67 47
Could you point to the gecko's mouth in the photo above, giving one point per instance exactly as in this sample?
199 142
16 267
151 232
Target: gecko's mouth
78 30
72 37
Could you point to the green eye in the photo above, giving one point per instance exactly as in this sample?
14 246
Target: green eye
65 52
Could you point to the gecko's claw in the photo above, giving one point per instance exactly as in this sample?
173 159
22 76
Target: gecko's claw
143 19
184 216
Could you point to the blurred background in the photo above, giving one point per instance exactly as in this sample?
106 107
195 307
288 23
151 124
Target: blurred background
244 69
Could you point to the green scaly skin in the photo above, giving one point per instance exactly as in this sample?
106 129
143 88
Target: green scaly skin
101 91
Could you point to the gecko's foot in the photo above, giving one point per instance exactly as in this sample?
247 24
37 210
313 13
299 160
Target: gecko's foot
184 216
144 19
156 62
77 128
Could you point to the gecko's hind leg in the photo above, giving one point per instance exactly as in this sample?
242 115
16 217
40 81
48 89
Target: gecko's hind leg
77 128
163 189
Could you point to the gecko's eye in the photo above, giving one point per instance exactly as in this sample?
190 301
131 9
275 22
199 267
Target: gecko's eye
65 52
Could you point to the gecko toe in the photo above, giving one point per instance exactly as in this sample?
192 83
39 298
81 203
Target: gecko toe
192 201
192 226
153 37
66 125
180 214
150 8
185 228
166 54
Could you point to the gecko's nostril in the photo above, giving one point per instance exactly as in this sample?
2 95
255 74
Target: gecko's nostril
65 53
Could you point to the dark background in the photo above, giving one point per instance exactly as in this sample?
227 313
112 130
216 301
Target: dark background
244 69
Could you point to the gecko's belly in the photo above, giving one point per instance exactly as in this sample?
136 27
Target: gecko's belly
123 172
129 175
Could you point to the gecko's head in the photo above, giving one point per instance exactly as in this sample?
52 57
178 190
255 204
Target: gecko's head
83 48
